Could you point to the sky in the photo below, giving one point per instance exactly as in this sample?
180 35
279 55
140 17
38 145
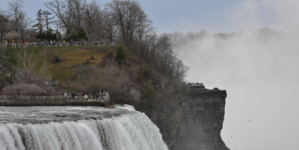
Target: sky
259 71
187 15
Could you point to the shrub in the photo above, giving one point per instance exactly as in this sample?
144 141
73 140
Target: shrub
49 90
149 97
92 58
23 89
81 34
25 77
57 59
110 55
107 58
147 74
87 62
120 54
110 78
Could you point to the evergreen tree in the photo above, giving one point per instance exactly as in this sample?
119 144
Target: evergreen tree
81 34
50 36
120 54
58 35
47 17
39 25
149 97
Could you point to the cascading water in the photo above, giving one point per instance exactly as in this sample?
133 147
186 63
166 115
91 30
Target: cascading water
79 128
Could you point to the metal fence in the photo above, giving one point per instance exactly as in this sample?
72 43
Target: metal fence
56 44
51 98
49 83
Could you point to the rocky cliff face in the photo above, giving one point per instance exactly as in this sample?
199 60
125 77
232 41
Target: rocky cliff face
195 122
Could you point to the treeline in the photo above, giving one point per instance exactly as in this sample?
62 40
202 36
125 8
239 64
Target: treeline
18 19
124 22
120 21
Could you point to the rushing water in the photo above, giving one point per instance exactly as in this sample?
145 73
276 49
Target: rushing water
77 128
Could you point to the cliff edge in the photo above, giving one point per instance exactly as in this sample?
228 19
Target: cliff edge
193 123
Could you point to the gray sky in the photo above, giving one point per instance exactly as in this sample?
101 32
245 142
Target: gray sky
194 15
261 76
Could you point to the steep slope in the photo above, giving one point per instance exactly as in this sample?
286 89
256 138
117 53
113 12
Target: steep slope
191 119
195 123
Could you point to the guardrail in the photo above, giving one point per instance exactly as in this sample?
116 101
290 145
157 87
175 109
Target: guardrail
59 44
49 83
50 98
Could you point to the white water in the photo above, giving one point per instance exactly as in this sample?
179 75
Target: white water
126 107
133 131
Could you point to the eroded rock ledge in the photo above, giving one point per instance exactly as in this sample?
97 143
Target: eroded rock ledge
195 123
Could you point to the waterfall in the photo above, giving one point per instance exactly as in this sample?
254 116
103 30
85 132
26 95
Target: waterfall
133 131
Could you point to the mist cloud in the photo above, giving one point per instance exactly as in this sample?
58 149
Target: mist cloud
264 56
252 53
258 65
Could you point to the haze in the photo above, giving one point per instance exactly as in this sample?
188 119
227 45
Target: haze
258 67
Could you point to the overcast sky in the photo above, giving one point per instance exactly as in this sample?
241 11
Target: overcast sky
259 72
194 15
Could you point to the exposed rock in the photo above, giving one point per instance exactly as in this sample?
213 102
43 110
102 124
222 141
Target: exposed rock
195 122
93 118
60 115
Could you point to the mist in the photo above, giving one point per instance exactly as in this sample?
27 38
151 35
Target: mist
256 60
260 71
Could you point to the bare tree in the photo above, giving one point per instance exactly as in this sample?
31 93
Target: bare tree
110 26
128 15
92 18
3 24
29 59
63 13
15 9
143 28
19 21
92 78
25 22
69 13
78 7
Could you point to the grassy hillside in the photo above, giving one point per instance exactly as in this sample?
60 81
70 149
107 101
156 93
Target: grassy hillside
70 57
133 79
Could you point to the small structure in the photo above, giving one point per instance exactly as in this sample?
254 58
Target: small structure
13 37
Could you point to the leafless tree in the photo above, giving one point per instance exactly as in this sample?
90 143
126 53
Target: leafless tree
128 14
15 9
3 24
110 26
19 21
28 59
63 13
92 18
25 22
69 13
77 8
111 79
144 28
